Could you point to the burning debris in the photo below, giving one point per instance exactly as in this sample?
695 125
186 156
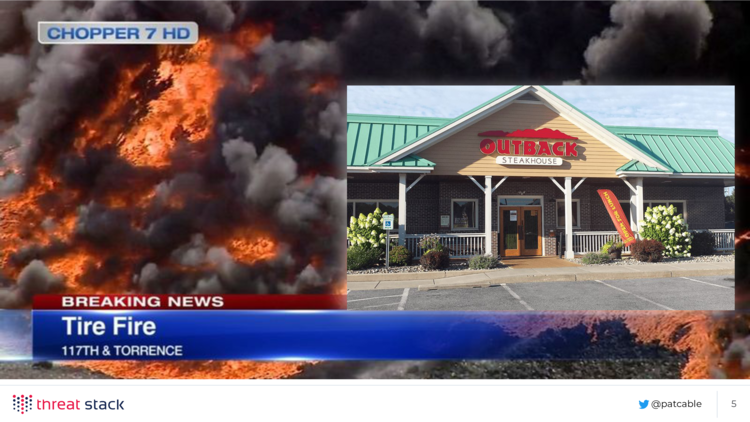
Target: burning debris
166 169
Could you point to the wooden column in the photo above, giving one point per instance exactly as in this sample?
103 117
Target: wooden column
569 218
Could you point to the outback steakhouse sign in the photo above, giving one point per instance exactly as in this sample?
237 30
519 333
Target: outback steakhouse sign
522 152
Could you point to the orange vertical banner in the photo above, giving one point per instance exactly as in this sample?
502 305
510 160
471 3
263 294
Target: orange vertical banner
620 220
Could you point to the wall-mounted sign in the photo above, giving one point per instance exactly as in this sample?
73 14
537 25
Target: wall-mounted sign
518 147
445 220
522 152
514 160
513 215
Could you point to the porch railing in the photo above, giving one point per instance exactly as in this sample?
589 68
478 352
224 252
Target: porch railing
723 239
460 245
585 242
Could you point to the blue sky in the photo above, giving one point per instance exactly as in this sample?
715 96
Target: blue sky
694 107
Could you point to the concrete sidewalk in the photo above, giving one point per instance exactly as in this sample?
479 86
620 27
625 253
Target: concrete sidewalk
466 279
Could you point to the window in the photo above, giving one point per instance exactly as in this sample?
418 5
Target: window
464 214
366 206
680 206
561 214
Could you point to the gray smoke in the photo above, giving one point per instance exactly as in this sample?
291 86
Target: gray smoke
103 226
648 39
34 279
148 278
184 184
59 76
209 286
267 177
214 15
14 71
192 254
393 38
468 31
309 55
11 22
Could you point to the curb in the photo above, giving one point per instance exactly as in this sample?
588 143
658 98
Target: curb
577 277
427 275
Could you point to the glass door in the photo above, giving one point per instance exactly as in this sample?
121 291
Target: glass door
531 228
510 243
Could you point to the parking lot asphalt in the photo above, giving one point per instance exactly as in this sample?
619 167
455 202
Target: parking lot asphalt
676 293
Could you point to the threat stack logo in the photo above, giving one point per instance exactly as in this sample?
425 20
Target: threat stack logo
22 403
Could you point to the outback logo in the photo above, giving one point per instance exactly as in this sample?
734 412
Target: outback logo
22 403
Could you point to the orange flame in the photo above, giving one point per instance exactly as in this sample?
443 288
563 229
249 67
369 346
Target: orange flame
193 370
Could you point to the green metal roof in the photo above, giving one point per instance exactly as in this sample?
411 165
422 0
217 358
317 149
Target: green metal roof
681 150
353 150
370 136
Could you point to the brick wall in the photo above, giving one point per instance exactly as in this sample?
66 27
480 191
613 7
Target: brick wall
459 189
704 207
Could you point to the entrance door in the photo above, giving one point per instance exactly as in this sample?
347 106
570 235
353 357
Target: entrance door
520 231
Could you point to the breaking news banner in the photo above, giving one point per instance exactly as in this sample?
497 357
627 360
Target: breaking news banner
117 32
260 328
251 327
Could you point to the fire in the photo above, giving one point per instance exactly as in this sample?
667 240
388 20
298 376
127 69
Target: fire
682 331
193 370
248 247
157 119
154 109
181 113
324 86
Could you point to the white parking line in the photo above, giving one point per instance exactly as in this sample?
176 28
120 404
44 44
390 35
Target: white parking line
371 298
518 298
638 296
710 284
378 306
403 299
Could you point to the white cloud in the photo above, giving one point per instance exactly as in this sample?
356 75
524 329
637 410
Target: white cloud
694 107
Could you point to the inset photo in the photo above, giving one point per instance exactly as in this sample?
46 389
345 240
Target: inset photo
532 198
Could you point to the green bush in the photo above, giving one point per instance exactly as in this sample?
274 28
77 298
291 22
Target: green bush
482 262
647 250
431 242
435 260
399 256
367 230
595 258
610 243
358 257
703 243
665 225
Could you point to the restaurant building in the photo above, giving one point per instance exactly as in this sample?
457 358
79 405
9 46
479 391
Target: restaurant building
519 174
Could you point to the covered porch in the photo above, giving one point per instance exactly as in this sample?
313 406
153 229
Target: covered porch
564 216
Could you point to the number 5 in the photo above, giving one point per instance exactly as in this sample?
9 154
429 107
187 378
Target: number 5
734 403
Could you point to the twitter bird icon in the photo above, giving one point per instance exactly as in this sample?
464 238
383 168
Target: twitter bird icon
644 404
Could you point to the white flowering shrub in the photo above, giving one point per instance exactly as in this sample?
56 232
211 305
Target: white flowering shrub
367 231
665 225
